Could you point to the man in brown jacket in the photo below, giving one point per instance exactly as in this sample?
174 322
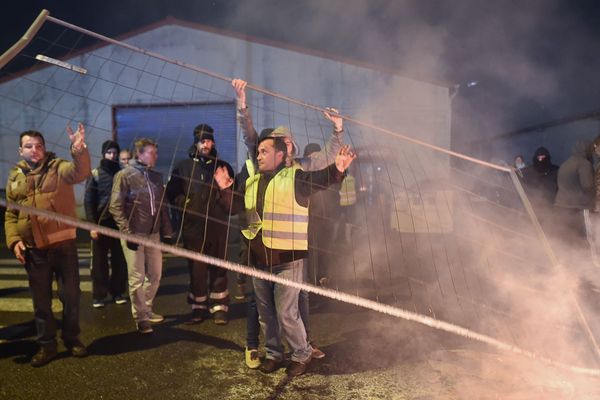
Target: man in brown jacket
47 247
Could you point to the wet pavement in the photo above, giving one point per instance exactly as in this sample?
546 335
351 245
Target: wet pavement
369 356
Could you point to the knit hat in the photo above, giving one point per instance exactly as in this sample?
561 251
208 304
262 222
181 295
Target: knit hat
110 144
265 133
282 131
203 131
311 148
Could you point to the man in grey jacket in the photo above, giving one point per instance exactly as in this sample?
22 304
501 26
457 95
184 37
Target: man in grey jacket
138 207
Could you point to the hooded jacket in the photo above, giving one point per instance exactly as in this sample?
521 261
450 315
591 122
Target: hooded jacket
576 179
540 179
47 186
137 202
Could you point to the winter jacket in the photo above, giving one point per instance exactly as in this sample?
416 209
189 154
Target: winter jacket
137 202
193 190
98 191
47 186
576 179
540 179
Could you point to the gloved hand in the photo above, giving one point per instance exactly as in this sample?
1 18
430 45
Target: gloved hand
132 246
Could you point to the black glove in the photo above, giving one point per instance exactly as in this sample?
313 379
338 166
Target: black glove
132 246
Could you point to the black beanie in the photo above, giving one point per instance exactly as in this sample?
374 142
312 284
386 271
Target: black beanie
203 131
110 144
265 133
311 148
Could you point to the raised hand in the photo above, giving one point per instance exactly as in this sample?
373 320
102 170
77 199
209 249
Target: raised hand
222 177
77 138
344 158
333 115
240 91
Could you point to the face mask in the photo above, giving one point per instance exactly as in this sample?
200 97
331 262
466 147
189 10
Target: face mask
520 165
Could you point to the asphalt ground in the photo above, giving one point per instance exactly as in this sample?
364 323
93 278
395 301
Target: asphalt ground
369 355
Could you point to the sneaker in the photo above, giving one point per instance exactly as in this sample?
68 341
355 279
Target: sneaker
155 318
196 317
316 352
45 354
269 365
144 327
220 317
297 368
97 303
252 358
120 299
76 348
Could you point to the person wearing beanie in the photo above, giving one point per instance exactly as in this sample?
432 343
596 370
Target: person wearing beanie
540 183
311 148
205 220
203 131
110 145
312 162
107 278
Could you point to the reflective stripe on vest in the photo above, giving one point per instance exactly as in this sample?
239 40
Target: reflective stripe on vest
348 191
284 222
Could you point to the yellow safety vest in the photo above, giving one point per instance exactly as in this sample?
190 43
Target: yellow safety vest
348 191
284 222
250 167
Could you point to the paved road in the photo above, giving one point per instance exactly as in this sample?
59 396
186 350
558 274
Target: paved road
368 356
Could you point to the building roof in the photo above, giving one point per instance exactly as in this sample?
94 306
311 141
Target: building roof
236 35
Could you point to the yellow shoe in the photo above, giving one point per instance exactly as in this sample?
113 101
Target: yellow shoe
252 358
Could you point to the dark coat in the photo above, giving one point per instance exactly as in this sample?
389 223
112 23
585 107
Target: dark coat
193 191
540 179
576 179
98 191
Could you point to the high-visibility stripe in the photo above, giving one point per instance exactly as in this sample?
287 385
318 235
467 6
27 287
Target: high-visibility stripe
219 307
286 235
219 295
200 299
285 217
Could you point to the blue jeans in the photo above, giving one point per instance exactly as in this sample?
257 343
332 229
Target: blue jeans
253 326
278 309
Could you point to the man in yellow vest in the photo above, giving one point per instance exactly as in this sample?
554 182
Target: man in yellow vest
276 205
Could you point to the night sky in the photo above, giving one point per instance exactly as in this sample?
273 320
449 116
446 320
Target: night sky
532 60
